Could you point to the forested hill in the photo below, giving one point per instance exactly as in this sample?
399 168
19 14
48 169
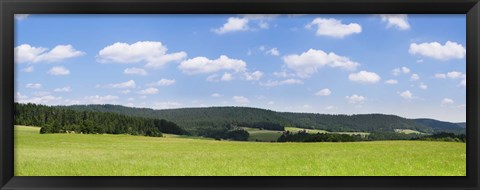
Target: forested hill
58 120
197 119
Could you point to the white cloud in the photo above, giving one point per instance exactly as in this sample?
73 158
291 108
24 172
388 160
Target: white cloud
407 95
59 71
135 71
166 105
451 50
463 83
226 77
125 91
330 107
233 24
283 74
334 28
64 89
323 92
199 65
399 21
240 99
20 97
440 76
253 76
45 100
364 77
454 75
28 69
398 71
163 82
21 16
415 77
213 78
420 61
447 101
309 62
391 81
34 85
216 95
273 51
128 84
28 54
270 102
149 91
423 86
153 53
283 82
108 99
355 99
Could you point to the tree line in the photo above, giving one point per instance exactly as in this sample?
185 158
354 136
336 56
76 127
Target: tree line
60 120
303 136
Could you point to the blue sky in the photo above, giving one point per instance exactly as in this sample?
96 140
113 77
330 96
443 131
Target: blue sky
408 65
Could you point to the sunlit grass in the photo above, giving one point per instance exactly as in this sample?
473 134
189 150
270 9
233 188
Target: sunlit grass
124 155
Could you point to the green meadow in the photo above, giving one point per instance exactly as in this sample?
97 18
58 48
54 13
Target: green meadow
125 155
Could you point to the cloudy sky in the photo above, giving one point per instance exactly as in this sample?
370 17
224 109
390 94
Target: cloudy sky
408 65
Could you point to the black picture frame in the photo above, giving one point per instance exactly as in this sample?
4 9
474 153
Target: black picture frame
10 7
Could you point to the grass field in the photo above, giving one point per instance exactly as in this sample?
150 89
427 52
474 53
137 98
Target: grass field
408 131
124 155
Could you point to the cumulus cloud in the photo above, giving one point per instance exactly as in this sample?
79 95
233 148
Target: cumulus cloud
454 75
253 76
355 99
33 85
273 51
226 77
46 99
21 16
407 95
391 81
64 89
128 84
148 91
240 99
153 53
364 77
233 24
333 28
399 21
26 53
435 50
199 65
309 62
324 92
108 99
283 82
414 77
283 74
216 95
423 86
163 82
440 76
398 71
236 24
135 71
166 105
447 101
58 71
28 69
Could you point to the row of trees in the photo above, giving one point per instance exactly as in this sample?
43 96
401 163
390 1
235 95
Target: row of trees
60 120
228 132
303 136
449 137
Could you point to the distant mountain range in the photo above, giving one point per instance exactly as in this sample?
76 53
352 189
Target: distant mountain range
195 119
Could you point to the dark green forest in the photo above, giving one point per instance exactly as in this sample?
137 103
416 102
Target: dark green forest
60 120
201 120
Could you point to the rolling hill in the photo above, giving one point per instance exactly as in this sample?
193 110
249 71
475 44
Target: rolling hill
195 119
